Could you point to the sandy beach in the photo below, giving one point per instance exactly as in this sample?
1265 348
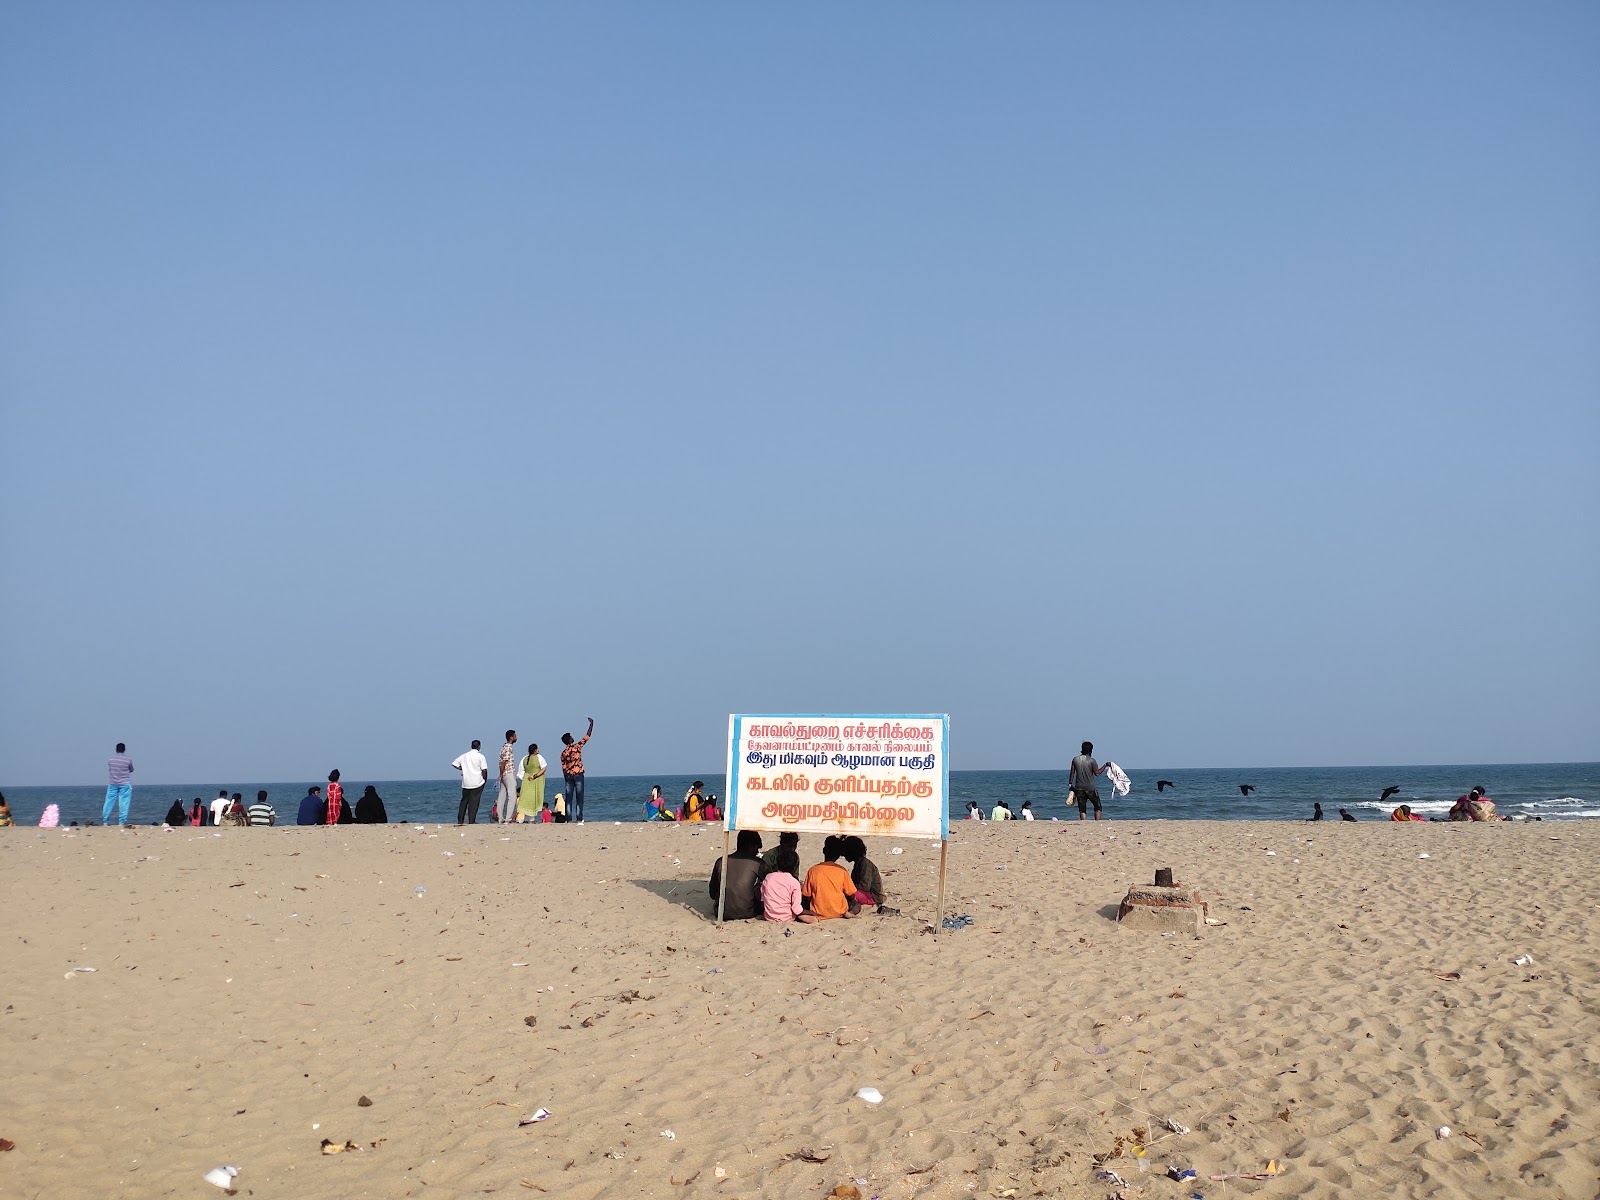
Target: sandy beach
251 986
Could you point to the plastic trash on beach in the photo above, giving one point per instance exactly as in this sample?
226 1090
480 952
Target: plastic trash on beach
896 850
1424 856
542 1114
1522 960
418 890
1175 1125
1182 1173
1442 1132
871 1095
92 970
1108 1176
221 1177
669 1135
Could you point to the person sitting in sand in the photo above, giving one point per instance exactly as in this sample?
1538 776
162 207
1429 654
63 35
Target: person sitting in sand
6 819
655 808
1474 806
780 887
743 900
829 891
1404 813
1027 811
370 809
713 811
545 816
974 813
864 873
1001 812
312 809
786 841
693 807
235 815
558 809
176 815
1480 807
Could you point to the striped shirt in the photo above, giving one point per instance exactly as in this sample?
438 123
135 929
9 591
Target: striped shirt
118 768
262 813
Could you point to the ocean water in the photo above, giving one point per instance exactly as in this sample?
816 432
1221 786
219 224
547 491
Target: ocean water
1550 791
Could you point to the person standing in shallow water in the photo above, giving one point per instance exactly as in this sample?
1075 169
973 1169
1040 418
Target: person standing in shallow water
1081 782
572 771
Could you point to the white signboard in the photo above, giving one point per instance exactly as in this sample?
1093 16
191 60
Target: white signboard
828 773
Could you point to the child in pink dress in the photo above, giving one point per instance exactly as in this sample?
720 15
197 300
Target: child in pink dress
780 889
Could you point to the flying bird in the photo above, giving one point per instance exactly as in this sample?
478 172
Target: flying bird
1387 792
1246 788
1344 815
1163 784
1317 813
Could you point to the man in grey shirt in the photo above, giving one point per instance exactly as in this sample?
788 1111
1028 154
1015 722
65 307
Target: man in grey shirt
1081 781
119 786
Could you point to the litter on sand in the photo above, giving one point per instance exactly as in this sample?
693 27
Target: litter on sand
959 922
871 1095
221 1177
1522 960
542 1114
1271 1171
1175 1125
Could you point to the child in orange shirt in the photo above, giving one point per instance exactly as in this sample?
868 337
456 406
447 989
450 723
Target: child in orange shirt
828 890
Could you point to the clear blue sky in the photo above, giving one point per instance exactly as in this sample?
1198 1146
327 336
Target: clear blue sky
1217 382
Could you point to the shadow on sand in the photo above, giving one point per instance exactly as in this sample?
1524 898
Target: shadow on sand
688 894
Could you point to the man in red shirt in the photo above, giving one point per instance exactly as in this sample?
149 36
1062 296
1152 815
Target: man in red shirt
572 772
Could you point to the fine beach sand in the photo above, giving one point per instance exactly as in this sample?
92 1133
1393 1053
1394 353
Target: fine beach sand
251 987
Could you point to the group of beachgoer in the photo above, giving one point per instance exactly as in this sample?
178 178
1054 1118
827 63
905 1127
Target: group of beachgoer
520 799
696 806
315 808
769 886
1000 812
1474 806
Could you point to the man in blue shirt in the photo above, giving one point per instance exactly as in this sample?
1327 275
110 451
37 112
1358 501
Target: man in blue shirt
311 810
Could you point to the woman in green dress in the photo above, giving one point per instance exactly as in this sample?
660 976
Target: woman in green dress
531 798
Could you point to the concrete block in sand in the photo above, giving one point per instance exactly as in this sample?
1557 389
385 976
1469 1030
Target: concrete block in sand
1162 909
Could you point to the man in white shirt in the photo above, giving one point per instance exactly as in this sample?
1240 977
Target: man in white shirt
474 770
219 806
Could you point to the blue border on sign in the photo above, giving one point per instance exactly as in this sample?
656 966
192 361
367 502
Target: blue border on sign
736 722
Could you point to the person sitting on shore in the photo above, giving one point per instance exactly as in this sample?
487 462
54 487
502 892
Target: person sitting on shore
828 890
1480 807
655 808
780 887
1404 813
370 809
713 811
694 804
864 873
743 900
1001 812
558 809
312 809
262 812
176 815
1027 810
7 820
786 841
235 815
545 816
974 813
